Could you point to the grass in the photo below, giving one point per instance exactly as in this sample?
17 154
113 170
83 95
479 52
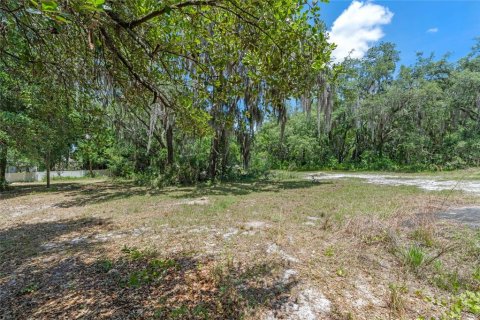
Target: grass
424 236
228 248
414 257
105 265
154 270
476 274
397 303
30 288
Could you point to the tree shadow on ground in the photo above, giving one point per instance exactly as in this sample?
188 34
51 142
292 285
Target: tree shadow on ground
105 192
101 192
238 188
21 243
68 284
37 188
111 192
81 193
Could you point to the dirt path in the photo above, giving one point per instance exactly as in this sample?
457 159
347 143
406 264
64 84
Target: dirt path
430 184
466 215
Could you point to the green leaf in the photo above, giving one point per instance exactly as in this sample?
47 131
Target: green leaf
96 3
49 5
60 18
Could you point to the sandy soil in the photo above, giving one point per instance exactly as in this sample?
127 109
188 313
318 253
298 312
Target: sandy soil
431 184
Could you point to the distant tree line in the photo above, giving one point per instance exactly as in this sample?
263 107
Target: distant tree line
381 116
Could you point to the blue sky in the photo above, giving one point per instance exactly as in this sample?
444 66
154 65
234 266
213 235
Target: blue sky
427 26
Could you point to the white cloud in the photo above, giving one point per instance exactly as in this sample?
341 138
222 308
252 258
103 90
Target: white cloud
432 30
357 28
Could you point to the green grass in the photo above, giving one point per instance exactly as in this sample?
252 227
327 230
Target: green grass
414 257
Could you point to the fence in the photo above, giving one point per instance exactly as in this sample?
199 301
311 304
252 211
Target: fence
39 176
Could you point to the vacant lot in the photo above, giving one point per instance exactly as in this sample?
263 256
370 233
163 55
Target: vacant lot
287 247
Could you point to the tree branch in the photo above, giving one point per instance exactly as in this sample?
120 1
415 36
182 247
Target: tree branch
135 23
149 86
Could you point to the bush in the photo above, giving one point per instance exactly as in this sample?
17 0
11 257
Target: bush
3 185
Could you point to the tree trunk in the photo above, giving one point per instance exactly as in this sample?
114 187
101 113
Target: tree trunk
329 107
306 102
90 167
325 101
170 154
224 151
3 167
478 109
47 165
319 101
214 157
67 161
245 142
357 152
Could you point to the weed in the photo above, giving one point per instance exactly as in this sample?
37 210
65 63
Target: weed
200 311
341 272
155 269
438 266
160 313
448 281
372 239
330 251
179 312
31 288
151 268
283 175
217 273
476 274
328 224
397 301
135 254
424 236
471 244
254 272
158 264
419 293
466 302
414 257
104 265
